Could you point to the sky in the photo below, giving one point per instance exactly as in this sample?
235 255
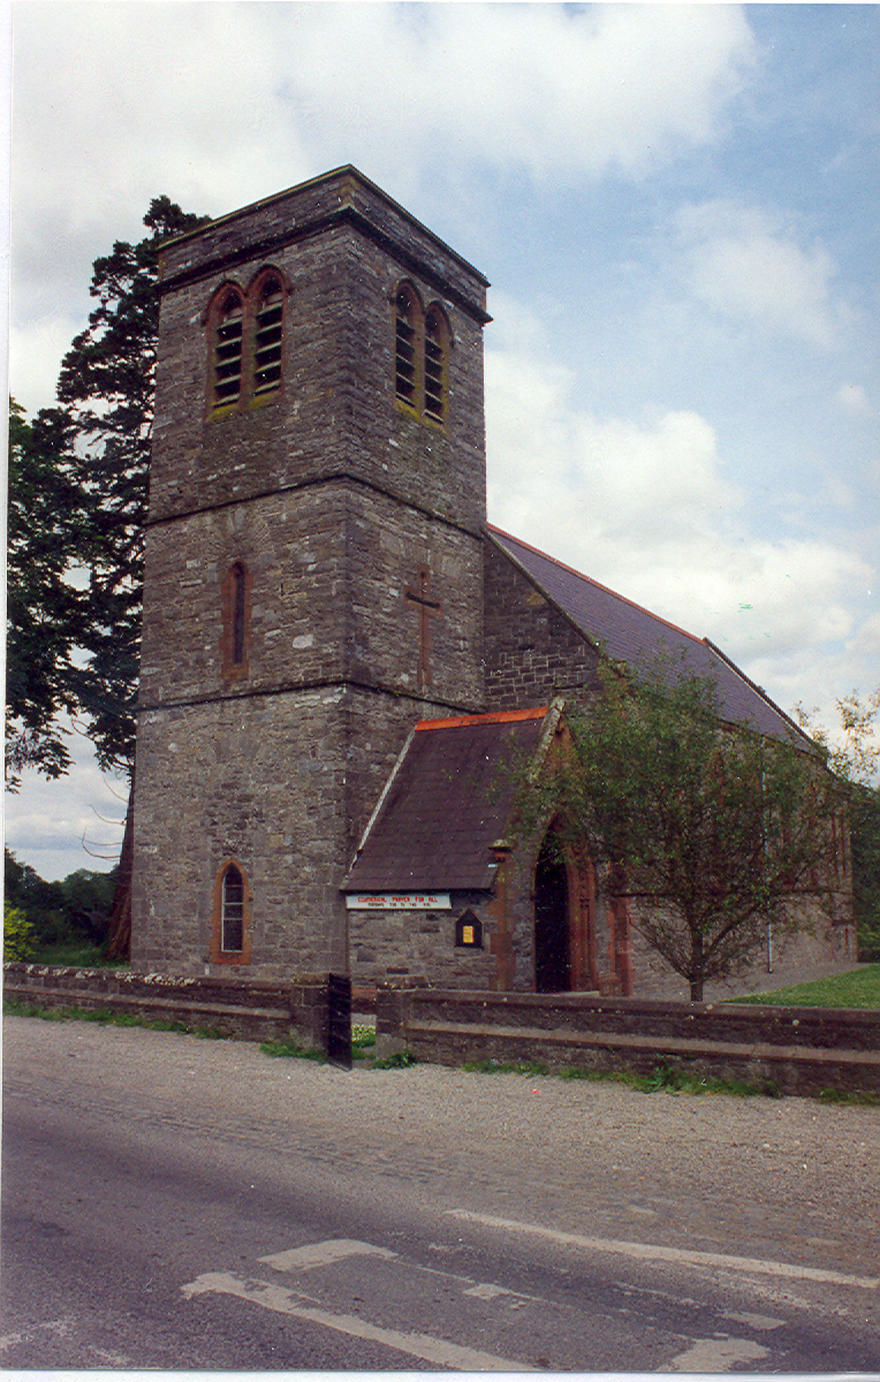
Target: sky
676 208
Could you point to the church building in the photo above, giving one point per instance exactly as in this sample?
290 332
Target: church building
340 655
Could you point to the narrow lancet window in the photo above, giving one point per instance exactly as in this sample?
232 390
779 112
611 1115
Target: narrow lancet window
236 622
405 382
436 364
239 613
267 339
228 351
232 912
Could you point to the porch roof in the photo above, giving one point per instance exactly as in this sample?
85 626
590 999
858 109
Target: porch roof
447 802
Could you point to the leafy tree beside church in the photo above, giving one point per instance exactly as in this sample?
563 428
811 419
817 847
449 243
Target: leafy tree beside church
711 832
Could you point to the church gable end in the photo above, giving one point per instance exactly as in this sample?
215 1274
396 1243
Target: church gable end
531 651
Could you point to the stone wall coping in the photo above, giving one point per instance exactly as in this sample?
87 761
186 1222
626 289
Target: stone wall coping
657 1006
670 1045
817 1028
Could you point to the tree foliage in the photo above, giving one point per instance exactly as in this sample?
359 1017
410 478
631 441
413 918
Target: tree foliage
853 753
19 940
710 829
77 908
78 489
44 610
106 389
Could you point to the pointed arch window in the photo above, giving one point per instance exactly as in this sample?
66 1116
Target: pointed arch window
267 337
407 321
246 330
230 943
228 337
436 363
232 912
235 638
422 343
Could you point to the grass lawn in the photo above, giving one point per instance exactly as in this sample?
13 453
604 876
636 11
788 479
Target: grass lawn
859 988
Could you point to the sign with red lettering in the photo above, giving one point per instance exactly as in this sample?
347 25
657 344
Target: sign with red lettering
397 902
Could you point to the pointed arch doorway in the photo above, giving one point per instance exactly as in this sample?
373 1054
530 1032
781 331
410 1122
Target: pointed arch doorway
565 918
552 921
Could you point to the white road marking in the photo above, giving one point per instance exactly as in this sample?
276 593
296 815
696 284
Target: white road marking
61 1327
323 1254
484 1290
272 1297
655 1252
755 1321
717 1355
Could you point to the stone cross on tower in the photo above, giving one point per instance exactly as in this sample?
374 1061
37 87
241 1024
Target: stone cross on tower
427 609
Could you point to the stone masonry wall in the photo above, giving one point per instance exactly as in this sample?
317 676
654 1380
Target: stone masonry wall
259 780
335 412
790 1050
334 496
532 653
251 1011
401 945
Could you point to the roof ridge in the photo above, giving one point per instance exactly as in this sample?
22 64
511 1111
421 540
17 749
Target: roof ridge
591 580
758 690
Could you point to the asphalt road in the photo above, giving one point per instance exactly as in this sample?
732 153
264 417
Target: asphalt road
178 1204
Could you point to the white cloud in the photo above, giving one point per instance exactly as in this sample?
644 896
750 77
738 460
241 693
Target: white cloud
217 104
743 264
645 507
36 349
868 638
853 399
74 822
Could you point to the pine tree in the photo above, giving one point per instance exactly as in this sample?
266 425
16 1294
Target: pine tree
44 610
107 388
78 502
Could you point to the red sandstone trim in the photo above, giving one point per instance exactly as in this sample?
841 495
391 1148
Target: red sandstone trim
498 717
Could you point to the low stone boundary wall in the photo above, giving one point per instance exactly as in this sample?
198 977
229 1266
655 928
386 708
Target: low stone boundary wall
796 1050
253 1010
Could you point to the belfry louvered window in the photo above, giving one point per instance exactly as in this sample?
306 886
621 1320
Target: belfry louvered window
228 351
406 322
436 353
246 331
422 343
267 338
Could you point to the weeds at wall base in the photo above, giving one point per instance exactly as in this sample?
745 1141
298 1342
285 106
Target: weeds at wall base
664 1078
668 1078
105 1017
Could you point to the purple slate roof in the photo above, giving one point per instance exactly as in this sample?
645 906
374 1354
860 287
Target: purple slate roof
447 802
633 635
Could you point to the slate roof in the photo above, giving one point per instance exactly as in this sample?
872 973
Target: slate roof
634 635
448 800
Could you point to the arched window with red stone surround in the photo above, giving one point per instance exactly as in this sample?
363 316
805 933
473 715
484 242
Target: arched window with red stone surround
436 377
230 939
227 332
408 332
235 638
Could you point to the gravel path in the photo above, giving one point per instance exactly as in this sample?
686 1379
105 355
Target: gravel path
788 1177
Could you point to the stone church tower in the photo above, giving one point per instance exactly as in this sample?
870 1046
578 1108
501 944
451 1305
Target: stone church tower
314 566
